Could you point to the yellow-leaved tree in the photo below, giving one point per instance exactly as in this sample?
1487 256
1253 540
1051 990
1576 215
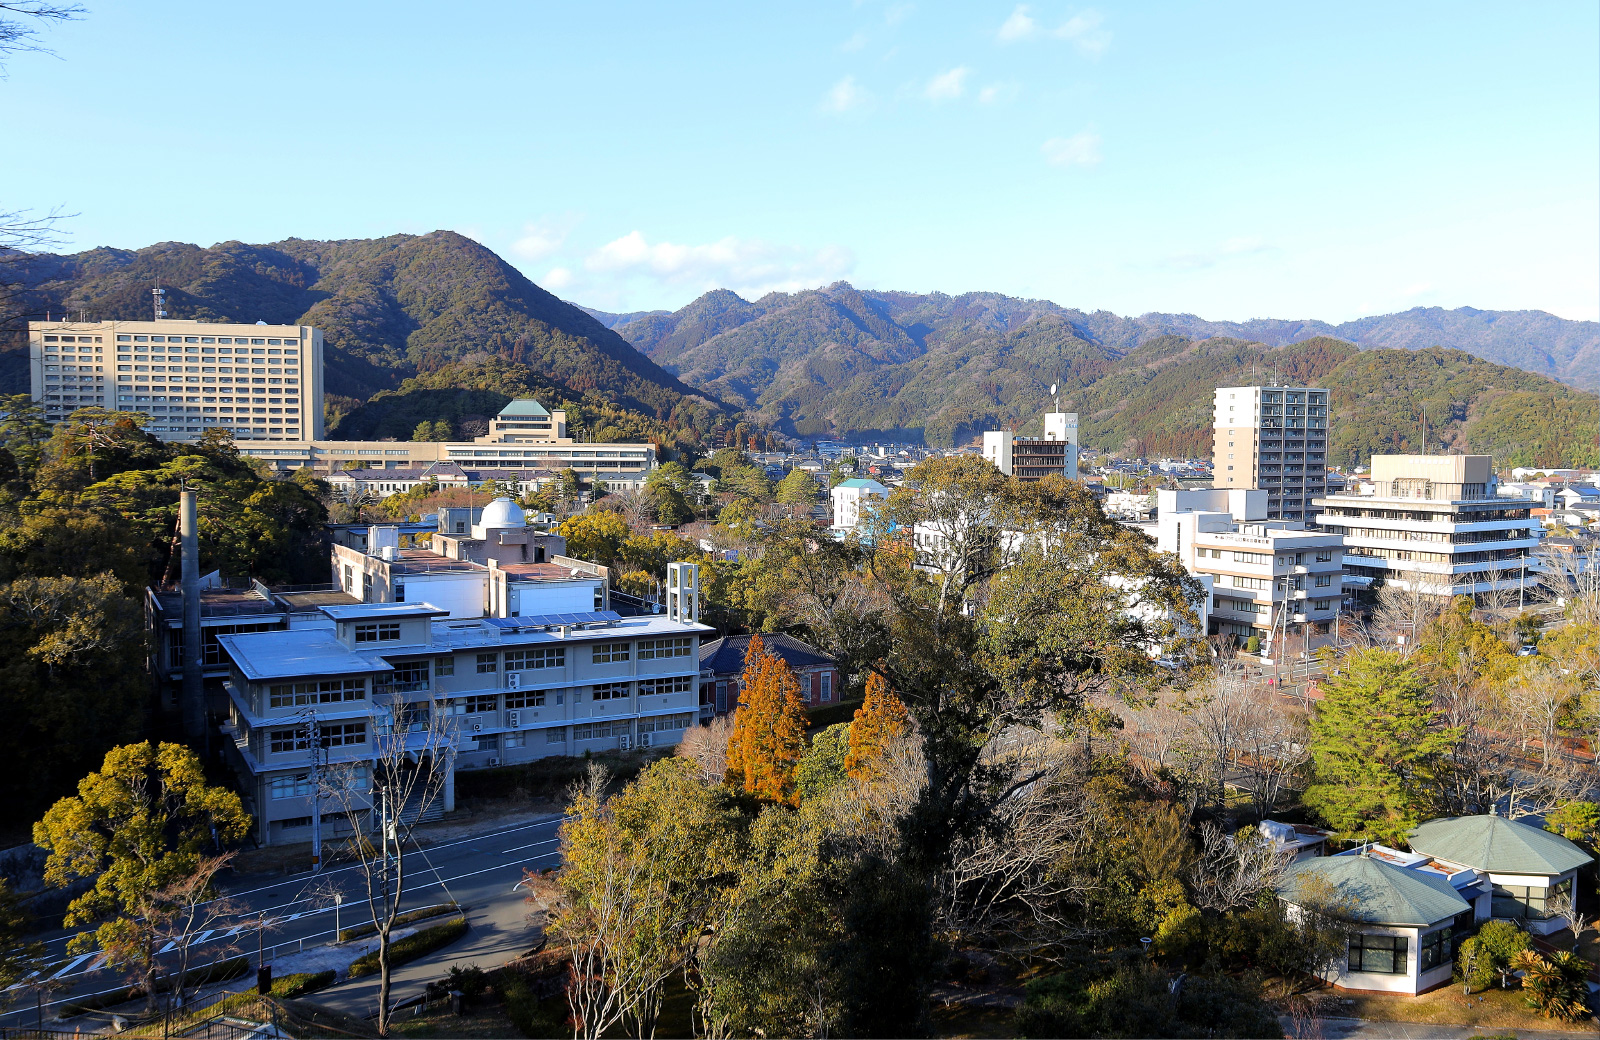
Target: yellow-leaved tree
769 729
881 720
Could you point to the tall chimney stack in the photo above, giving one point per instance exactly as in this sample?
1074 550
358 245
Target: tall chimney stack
193 704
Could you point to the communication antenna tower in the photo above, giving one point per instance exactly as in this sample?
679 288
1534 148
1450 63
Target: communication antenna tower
1055 402
158 302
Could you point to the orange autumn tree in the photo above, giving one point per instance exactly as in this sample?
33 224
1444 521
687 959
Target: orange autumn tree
769 729
881 720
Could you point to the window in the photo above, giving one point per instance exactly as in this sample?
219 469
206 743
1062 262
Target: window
610 691
399 593
444 666
598 730
296 786
1250 583
1435 949
1324 555
1251 557
334 734
1378 954
488 664
674 684
488 742
327 691
676 646
1523 902
610 653
378 632
666 723
525 699
827 686
411 675
1324 581
558 735
518 660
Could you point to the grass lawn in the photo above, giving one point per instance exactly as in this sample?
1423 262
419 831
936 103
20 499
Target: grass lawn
487 1021
1493 1008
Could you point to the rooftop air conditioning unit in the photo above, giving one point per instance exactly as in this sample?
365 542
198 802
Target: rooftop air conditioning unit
513 719
513 680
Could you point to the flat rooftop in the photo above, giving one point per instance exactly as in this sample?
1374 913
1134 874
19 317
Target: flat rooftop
545 572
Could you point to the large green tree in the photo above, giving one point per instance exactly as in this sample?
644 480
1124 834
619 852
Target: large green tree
138 827
1378 746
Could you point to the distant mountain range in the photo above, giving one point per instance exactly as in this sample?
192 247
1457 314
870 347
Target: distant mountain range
842 362
838 361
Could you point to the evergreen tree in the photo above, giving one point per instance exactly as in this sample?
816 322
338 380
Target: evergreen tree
769 729
797 489
1378 745
880 720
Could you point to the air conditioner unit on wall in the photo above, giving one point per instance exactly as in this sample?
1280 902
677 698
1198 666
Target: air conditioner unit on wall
513 718
494 761
644 740
624 742
477 727
513 680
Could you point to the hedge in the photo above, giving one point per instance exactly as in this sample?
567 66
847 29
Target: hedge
362 930
411 947
301 983
221 971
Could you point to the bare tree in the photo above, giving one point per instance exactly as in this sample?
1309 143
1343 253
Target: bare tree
1234 870
188 908
1406 606
708 746
1570 577
382 799
1564 906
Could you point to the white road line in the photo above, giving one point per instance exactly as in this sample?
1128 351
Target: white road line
519 848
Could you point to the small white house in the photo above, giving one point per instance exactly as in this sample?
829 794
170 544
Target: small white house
1407 920
1530 868
853 501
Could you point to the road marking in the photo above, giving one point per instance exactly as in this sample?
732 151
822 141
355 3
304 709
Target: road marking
535 845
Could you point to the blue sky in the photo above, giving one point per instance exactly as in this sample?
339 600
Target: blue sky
1231 160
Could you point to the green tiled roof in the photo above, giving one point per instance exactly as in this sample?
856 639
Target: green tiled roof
1379 892
1498 845
525 408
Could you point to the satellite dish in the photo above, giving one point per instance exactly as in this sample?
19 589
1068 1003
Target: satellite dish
1052 388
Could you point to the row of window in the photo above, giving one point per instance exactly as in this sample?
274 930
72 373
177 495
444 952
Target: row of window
332 735
299 785
484 703
326 691
242 340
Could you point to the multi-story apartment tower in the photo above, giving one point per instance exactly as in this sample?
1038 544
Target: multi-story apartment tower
263 382
1435 524
1034 458
1274 438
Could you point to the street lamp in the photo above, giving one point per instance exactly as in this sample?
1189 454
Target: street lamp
338 898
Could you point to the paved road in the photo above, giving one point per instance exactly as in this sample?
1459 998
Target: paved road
478 872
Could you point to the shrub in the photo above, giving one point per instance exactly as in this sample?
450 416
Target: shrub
302 983
1484 956
532 1015
1556 986
361 931
470 981
1136 1001
411 947
1252 645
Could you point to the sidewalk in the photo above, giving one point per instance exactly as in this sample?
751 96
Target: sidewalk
1361 1029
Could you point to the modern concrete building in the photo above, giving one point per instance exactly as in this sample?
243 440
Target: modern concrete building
506 690
263 382
1274 438
1434 524
1267 577
854 500
1034 458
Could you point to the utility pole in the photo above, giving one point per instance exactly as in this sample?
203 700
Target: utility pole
314 742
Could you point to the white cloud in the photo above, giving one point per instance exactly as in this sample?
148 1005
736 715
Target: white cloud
542 239
947 86
1083 30
1229 249
854 43
1085 33
1019 26
556 279
845 95
999 92
749 267
1081 149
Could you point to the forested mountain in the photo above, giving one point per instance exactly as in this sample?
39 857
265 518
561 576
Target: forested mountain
390 308
1531 340
842 362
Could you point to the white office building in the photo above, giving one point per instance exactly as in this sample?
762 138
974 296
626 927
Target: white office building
853 501
1266 577
1033 458
1435 524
